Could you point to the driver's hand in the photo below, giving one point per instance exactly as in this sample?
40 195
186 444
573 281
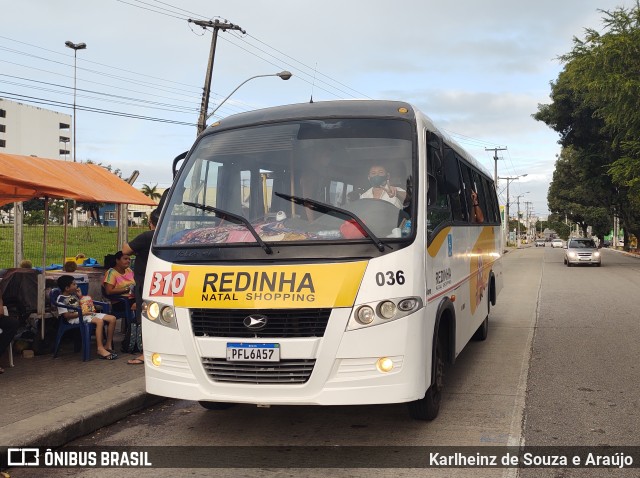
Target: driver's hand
391 190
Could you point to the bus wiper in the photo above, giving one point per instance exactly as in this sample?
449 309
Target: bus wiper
235 218
333 211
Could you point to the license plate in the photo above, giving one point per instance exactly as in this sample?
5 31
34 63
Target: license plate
240 352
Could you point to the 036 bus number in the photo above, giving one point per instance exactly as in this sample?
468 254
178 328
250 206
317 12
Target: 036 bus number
390 278
168 284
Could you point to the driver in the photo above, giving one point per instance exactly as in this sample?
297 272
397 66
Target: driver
381 189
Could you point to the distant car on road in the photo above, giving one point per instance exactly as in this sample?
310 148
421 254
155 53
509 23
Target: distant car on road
540 242
557 243
582 250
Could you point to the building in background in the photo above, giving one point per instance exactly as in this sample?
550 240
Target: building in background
33 131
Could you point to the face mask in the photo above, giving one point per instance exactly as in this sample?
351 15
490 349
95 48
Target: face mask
377 181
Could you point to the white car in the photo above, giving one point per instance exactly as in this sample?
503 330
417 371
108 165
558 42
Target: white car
557 243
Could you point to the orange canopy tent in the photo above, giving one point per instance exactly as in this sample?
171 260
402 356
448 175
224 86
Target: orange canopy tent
26 177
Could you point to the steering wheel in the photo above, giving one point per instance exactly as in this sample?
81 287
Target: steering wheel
379 215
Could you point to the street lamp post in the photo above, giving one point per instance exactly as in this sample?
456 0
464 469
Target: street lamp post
285 75
506 209
75 47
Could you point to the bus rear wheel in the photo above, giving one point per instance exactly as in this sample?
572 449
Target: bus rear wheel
427 407
216 405
483 331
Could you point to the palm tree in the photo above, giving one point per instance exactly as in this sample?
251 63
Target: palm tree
151 191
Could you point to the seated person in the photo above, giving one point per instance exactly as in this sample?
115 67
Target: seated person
381 189
119 279
8 330
70 294
70 266
476 213
25 264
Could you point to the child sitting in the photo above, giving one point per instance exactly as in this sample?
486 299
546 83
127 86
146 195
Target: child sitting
71 295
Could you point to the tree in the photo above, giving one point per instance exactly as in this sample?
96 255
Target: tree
595 112
151 192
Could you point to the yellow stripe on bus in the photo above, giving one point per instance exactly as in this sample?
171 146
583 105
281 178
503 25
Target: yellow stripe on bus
267 287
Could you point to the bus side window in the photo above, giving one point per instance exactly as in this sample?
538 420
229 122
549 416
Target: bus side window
456 201
491 215
483 198
438 210
468 187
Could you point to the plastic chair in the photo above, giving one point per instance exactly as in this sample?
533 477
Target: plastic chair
86 328
126 313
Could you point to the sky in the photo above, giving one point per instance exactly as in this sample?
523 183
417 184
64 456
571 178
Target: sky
478 69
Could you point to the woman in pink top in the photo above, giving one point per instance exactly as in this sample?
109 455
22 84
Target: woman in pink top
119 279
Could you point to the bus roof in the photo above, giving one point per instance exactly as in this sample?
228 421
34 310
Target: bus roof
340 109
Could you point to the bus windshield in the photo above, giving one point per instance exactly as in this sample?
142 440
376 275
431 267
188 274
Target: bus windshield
263 174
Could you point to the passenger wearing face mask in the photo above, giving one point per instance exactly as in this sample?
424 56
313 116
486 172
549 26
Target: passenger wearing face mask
381 189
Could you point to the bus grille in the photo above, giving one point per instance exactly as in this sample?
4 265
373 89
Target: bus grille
285 371
281 323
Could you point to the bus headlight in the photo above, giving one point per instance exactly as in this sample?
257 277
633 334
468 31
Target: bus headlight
387 309
167 315
161 314
407 305
382 312
153 310
365 315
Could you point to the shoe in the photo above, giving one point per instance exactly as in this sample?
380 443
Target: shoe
111 356
135 361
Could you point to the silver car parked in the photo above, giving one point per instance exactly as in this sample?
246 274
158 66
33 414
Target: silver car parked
581 250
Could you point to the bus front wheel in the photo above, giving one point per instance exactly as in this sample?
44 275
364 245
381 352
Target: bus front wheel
427 407
216 405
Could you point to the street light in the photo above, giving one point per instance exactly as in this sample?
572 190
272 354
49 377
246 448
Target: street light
506 209
75 47
285 75
518 218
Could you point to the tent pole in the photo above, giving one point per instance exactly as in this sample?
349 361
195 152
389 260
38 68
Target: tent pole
66 223
44 258
44 240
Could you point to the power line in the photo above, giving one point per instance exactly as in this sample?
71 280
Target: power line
33 99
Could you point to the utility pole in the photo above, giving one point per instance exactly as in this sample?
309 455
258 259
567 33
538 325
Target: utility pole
495 166
217 25
527 221
518 226
506 211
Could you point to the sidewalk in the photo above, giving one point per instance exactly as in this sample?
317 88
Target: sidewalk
49 402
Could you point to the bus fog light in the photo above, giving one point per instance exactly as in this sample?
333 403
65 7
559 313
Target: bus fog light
407 305
153 311
387 309
167 315
384 364
156 359
365 315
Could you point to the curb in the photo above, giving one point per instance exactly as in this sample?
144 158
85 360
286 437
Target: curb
80 417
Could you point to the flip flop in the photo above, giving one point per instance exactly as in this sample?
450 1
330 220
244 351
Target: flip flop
135 361
111 356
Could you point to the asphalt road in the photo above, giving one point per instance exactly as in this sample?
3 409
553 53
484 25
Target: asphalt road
559 368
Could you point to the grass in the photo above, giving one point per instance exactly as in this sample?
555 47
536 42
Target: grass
92 241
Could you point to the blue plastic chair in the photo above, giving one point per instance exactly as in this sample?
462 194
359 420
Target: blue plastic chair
129 316
86 329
